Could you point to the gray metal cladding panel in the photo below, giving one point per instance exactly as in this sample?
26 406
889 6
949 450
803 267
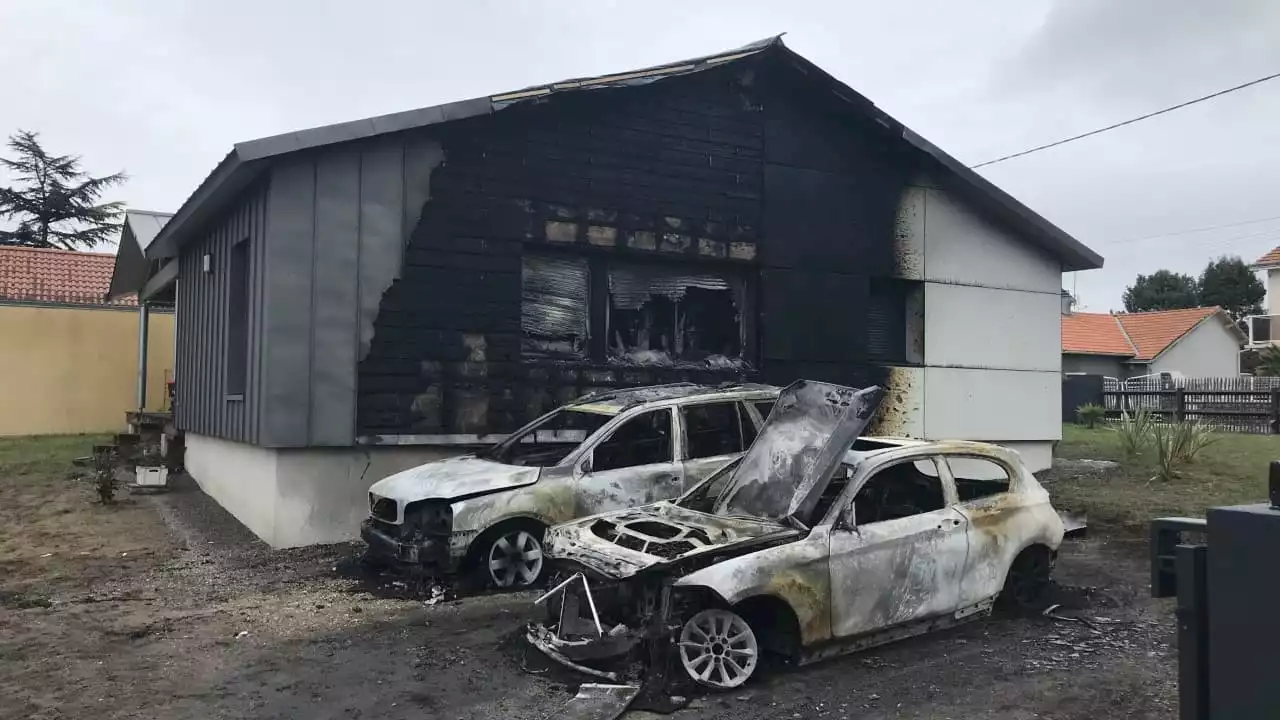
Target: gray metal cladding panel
288 299
382 215
334 298
201 362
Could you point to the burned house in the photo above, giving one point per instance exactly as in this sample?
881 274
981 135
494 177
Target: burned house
358 298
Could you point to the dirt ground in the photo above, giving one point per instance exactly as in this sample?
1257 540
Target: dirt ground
164 607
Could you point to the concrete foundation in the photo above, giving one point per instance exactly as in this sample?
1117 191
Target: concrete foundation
297 497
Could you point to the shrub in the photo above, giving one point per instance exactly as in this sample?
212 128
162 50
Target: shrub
1136 431
1090 414
1176 444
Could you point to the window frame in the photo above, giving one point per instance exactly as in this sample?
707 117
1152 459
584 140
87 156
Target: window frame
684 428
587 460
1014 481
239 316
841 513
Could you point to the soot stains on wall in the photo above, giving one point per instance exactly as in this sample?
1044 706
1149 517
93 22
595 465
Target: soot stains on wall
716 226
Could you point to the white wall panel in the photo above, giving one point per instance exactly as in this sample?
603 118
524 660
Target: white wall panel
961 247
992 405
989 328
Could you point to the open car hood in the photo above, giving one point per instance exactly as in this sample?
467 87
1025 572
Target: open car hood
622 543
811 427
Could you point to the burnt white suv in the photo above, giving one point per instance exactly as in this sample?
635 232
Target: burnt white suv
485 514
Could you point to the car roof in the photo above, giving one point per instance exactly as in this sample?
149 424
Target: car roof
869 446
615 401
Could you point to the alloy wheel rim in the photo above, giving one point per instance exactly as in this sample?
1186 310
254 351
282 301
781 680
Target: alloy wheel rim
515 559
718 649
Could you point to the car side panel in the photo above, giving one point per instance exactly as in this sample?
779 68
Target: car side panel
796 573
550 501
1000 527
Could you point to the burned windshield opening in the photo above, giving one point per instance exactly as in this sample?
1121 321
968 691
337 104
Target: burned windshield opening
547 441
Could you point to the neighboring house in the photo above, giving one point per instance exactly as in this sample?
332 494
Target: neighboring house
68 356
359 298
1196 342
1262 329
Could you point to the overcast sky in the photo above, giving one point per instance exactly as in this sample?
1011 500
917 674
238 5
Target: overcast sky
162 90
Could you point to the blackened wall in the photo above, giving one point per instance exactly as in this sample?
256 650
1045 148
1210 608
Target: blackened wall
751 168
833 180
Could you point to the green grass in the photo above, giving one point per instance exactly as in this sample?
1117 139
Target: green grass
1230 471
44 514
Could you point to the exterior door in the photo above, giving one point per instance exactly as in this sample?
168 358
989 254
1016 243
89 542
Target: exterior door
712 434
634 465
899 553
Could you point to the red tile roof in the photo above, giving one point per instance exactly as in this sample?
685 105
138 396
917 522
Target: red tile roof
1094 334
1271 259
57 276
1140 336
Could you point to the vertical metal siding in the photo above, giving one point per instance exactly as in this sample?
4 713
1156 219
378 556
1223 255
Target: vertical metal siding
334 297
287 299
202 334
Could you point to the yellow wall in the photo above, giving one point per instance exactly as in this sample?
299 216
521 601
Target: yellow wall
75 369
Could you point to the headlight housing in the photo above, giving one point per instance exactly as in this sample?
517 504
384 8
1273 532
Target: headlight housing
429 517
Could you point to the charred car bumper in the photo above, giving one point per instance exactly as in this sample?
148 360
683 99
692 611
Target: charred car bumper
384 542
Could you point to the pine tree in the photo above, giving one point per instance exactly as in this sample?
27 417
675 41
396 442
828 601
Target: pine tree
53 202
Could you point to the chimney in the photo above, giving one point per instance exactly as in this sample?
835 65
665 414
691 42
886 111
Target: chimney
1067 302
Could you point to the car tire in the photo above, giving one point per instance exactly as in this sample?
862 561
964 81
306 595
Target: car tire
1026 586
511 557
718 649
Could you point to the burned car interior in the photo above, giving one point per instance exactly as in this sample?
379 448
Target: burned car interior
642 440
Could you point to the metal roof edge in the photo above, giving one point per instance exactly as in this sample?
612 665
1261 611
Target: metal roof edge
1074 254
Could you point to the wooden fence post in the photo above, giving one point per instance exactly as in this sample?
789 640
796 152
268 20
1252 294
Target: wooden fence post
1180 405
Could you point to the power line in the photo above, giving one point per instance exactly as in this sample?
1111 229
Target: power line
1131 121
1190 231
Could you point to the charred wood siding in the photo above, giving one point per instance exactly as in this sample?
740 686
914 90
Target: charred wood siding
670 172
204 405
833 180
752 166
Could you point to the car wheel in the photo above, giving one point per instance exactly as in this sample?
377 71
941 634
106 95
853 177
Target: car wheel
1027 584
718 649
514 558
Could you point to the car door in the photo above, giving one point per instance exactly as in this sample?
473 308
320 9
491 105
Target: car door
983 486
899 549
633 464
712 434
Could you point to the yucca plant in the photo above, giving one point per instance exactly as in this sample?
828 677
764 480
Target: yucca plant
1192 437
1165 441
1090 414
1135 431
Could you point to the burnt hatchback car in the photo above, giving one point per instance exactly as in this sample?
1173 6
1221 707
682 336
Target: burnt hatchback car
484 514
815 542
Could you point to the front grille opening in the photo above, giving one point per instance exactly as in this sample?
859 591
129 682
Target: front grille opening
671 549
604 530
631 542
662 531
384 509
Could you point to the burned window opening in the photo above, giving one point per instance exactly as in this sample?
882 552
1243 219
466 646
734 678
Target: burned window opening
554 307
659 316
